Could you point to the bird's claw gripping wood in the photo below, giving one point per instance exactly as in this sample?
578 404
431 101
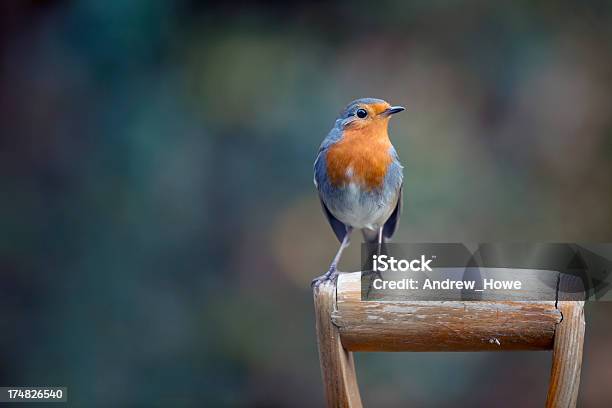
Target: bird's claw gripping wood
330 275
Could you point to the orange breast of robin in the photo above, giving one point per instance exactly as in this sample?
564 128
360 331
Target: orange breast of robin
361 156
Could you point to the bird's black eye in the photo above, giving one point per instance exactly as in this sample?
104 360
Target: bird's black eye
361 113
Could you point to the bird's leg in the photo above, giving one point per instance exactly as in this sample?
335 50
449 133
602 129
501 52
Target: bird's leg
345 243
378 253
377 250
332 273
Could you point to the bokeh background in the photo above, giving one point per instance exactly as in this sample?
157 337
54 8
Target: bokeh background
158 223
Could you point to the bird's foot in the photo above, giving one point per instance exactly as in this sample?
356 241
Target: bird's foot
330 275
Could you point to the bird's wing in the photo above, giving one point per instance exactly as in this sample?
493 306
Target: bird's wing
393 222
319 169
337 226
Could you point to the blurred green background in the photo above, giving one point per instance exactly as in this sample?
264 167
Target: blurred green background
159 226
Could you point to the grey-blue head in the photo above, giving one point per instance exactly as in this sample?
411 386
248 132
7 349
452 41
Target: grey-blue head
362 111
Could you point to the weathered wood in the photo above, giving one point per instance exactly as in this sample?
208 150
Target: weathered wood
440 325
567 356
346 324
337 364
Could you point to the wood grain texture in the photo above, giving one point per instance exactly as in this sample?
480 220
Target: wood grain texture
346 324
440 325
567 356
337 364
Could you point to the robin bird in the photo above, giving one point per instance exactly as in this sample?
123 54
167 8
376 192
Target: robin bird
359 177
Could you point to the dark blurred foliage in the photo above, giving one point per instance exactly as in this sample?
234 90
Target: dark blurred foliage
159 223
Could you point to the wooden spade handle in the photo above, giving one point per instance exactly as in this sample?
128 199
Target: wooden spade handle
346 324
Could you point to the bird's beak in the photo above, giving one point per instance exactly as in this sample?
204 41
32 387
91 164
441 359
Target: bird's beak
392 110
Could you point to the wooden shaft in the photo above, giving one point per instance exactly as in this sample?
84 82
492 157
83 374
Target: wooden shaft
440 325
567 357
337 364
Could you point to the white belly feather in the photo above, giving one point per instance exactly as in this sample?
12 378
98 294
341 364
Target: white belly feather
360 208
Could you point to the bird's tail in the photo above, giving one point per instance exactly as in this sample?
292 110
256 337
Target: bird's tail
373 247
371 236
